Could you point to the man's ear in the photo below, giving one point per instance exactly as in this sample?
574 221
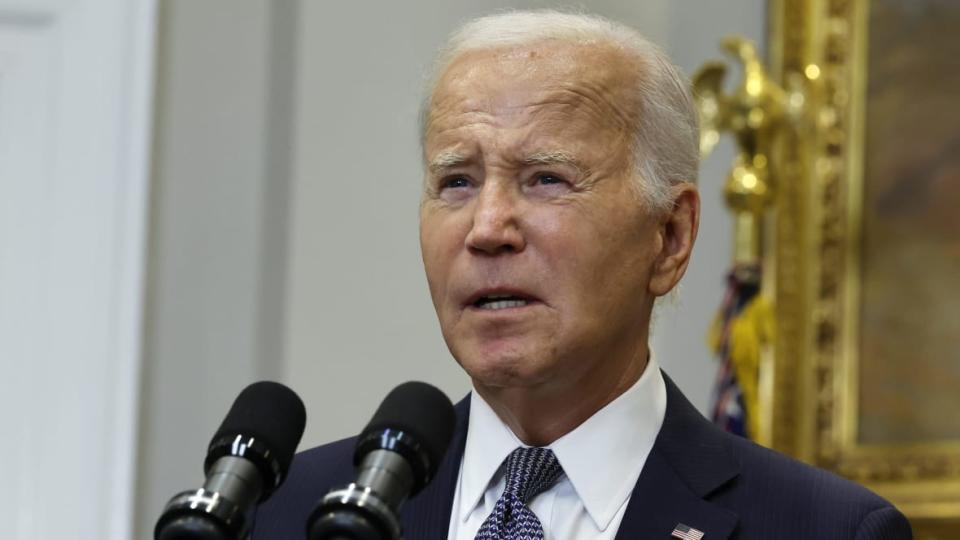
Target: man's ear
678 231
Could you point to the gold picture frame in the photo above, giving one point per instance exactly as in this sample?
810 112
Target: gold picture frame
809 398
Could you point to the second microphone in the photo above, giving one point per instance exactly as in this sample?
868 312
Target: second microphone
396 456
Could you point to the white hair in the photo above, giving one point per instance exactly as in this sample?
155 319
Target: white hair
666 137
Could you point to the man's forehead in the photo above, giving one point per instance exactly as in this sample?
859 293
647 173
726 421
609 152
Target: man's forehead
539 61
522 78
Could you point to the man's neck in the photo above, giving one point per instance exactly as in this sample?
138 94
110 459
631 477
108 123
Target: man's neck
540 415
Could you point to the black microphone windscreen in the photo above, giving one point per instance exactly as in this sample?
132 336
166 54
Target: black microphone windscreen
421 410
271 413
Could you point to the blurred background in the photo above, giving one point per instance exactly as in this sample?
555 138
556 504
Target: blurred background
195 195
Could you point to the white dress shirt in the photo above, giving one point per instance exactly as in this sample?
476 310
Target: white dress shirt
601 458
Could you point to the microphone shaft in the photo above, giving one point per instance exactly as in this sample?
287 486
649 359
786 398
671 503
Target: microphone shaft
388 474
235 479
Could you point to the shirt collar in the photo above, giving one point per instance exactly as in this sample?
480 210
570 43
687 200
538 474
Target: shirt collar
489 442
602 457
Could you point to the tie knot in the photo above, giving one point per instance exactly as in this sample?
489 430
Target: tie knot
530 471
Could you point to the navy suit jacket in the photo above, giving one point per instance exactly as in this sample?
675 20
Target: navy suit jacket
696 475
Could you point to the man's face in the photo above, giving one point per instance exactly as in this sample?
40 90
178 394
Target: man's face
537 252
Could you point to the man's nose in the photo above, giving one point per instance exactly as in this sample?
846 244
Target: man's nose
496 225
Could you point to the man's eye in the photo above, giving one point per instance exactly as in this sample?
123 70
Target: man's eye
455 182
547 185
546 179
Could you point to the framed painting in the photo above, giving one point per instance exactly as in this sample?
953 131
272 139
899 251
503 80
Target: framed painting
865 251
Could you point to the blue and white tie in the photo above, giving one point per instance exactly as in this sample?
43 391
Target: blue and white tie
530 471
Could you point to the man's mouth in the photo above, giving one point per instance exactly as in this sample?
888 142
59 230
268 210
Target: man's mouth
500 301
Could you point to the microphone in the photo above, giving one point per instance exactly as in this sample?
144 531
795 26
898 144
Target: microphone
247 460
396 456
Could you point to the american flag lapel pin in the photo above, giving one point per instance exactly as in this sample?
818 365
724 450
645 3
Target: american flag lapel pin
686 532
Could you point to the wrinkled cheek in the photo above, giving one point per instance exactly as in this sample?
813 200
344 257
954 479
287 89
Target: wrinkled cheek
436 283
579 321
430 250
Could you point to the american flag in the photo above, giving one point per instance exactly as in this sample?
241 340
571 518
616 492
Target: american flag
686 532
729 408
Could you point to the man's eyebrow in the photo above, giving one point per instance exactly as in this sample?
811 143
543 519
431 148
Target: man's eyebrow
450 158
557 157
446 160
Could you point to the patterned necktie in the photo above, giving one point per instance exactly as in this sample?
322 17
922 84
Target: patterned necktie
530 471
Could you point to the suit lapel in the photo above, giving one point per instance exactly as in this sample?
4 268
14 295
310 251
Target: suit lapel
661 501
427 515
689 461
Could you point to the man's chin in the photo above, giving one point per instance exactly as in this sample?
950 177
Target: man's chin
512 370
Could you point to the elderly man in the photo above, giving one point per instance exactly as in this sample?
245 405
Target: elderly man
559 203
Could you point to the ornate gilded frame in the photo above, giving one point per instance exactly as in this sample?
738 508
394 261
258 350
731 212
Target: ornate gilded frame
810 396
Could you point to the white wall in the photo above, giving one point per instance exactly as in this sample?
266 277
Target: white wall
359 318
217 247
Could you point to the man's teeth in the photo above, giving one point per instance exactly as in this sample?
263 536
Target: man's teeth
502 304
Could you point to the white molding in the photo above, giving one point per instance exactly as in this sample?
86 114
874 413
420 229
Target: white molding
135 164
